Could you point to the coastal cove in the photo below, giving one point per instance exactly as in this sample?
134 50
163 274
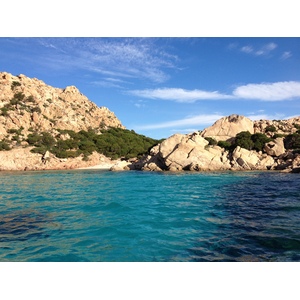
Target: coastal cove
97 215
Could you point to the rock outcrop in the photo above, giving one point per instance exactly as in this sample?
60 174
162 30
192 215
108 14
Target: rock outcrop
228 127
28 105
192 152
243 159
275 148
33 105
269 127
21 159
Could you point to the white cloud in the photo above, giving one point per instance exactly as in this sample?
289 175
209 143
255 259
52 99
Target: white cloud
264 50
106 84
140 104
188 121
286 55
179 95
186 130
232 46
247 49
277 91
255 117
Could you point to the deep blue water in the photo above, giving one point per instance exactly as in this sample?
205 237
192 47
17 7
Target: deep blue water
94 215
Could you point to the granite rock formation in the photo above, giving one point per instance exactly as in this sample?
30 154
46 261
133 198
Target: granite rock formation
33 105
228 127
28 105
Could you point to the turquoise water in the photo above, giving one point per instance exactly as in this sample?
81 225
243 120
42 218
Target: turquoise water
94 215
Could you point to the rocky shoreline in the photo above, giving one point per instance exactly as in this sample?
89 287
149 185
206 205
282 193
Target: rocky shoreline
180 152
47 128
193 152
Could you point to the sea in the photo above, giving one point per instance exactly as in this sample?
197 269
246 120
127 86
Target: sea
136 216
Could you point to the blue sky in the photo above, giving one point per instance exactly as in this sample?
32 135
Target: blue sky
161 86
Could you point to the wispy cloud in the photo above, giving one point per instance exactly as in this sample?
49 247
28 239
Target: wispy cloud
256 117
266 49
123 58
197 120
262 51
277 91
179 95
140 104
107 84
286 55
190 123
247 49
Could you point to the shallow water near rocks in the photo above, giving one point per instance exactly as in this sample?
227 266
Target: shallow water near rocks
96 215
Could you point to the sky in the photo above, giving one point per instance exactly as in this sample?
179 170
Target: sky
159 86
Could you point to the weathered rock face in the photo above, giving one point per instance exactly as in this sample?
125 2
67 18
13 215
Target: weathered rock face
20 159
44 107
228 127
275 148
268 127
192 152
243 159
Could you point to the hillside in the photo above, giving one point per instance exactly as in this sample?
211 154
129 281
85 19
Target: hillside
31 104
42 127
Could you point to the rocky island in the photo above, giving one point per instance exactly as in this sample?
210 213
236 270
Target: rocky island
43 128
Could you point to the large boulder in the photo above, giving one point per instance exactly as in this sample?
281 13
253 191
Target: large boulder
121 166
228 127
275 148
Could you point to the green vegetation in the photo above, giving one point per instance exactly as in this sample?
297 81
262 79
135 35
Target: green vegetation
278 135
15 84
16 131
19 99
114 143
4 146
292 141
270 128
4 111
243 139
259 141
211 141
224 144
246 140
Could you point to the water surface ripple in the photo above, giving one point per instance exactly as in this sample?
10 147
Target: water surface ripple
93 215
